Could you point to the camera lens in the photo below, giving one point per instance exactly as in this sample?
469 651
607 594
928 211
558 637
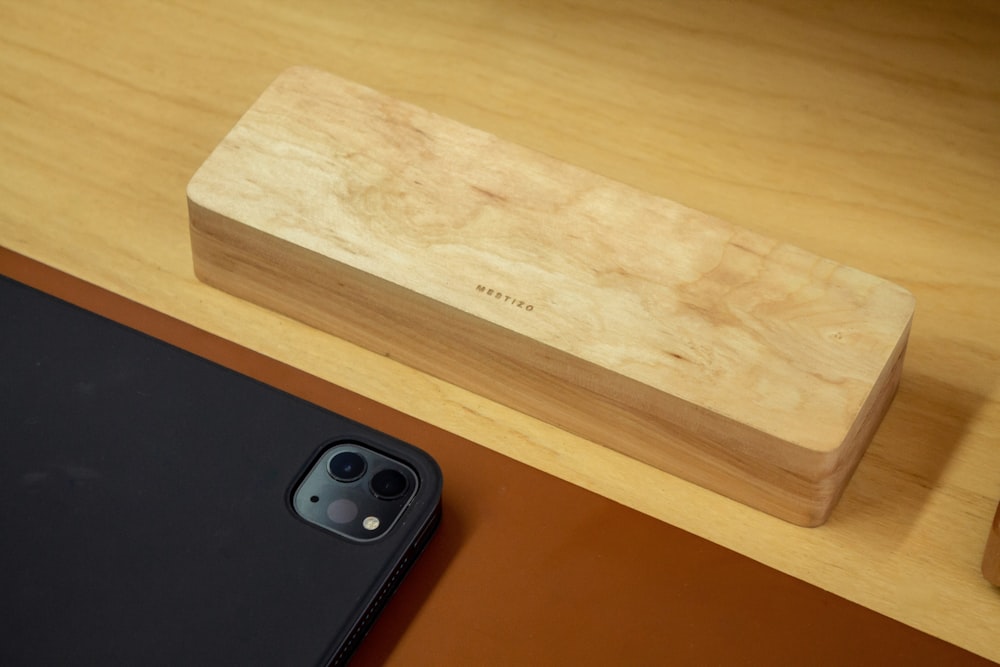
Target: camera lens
347 466
388 484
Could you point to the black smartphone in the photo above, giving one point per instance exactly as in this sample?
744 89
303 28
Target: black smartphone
157 508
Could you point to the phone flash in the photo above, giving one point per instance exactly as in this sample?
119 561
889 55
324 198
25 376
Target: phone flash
370 522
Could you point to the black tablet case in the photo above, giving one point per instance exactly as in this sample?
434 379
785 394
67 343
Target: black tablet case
145 497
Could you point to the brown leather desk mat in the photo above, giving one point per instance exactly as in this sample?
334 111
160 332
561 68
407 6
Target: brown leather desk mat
528 569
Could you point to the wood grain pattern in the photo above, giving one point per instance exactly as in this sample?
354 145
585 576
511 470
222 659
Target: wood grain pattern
750 366
991 557
863 132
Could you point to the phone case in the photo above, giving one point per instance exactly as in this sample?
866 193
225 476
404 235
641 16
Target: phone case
147 505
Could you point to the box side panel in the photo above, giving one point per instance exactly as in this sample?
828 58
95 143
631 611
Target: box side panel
796 484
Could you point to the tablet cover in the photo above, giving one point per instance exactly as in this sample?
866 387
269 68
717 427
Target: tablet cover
145 495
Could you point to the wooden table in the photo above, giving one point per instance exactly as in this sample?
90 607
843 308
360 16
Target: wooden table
870 135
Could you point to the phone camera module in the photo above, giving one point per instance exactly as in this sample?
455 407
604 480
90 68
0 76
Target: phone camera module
347 466
355 491
388 484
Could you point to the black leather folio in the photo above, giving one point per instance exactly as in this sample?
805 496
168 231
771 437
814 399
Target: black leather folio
157 508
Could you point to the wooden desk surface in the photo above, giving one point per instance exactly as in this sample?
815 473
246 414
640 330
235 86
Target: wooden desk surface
870 135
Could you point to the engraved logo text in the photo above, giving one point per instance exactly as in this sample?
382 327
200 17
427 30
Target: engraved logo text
504 298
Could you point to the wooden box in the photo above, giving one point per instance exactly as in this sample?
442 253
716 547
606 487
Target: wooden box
741 363
991 557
